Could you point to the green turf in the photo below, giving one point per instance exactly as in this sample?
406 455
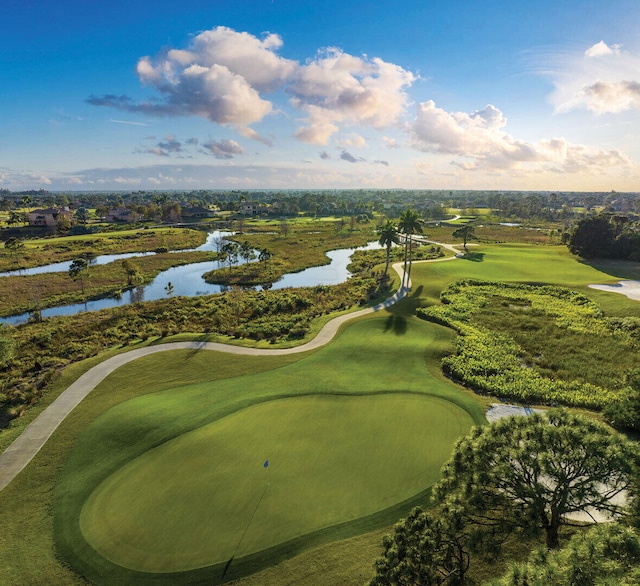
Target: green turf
531 264
27 552
373 356
332 459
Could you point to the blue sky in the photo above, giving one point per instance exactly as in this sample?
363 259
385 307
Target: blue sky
255 94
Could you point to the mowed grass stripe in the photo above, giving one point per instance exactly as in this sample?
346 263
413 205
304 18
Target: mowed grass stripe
384 353
332 459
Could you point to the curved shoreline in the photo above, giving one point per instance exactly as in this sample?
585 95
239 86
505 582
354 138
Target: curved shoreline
25 447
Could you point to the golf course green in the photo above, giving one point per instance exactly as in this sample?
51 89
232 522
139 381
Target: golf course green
207 495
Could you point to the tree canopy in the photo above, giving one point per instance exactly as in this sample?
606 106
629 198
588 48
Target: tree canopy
465 233
425 549
608 555
605 236
78 270
388 236
531 473
526 475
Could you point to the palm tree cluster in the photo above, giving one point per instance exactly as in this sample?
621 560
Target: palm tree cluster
408 224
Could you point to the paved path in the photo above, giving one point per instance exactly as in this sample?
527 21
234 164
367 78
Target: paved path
35 435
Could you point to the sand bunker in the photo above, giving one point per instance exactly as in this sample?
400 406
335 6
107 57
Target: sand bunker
500 410
629 288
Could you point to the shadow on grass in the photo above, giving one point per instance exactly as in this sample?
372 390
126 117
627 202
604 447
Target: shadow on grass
473 256
407 306
200 344
623 269
397 324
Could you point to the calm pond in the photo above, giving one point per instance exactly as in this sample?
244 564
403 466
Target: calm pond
187 281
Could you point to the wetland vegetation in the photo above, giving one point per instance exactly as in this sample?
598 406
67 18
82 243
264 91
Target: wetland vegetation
513 318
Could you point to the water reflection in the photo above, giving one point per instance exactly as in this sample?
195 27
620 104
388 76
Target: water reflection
186 280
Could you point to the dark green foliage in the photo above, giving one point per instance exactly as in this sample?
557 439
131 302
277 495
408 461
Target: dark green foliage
132 272
538 344
527 473
388 236
624 411
465 233
78 271
425 549
607 555
14 244
605 236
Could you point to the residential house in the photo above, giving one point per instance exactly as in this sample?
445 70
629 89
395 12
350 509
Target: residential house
253 208
50 217
197 212
122 214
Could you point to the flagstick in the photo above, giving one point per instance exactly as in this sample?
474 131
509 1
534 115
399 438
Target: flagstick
228 564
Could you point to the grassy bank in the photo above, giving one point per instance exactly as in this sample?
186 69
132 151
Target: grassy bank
43 251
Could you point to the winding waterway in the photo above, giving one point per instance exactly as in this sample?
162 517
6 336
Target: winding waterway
187 280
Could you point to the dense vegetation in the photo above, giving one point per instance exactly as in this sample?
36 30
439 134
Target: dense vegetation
606 236
606 555
536 344
520 476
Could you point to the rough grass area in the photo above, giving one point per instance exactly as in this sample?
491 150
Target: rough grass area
42 251
369 357
540 344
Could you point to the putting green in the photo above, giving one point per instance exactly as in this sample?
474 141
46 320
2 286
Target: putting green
205 496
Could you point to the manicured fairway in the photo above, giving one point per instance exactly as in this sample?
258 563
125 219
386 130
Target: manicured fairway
531 264
188 503
161 488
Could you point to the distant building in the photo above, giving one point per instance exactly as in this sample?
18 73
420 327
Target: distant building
49 217
253 208
197 212
122 214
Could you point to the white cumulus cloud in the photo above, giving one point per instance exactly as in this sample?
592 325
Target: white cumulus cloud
219 76
604 79
226 76
336 87
480 140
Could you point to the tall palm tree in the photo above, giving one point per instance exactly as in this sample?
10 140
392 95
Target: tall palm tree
409 223
388 233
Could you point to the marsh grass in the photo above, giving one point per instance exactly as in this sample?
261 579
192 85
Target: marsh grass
44 251
557 352
25 293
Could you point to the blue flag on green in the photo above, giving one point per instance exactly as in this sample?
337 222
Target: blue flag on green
266 463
